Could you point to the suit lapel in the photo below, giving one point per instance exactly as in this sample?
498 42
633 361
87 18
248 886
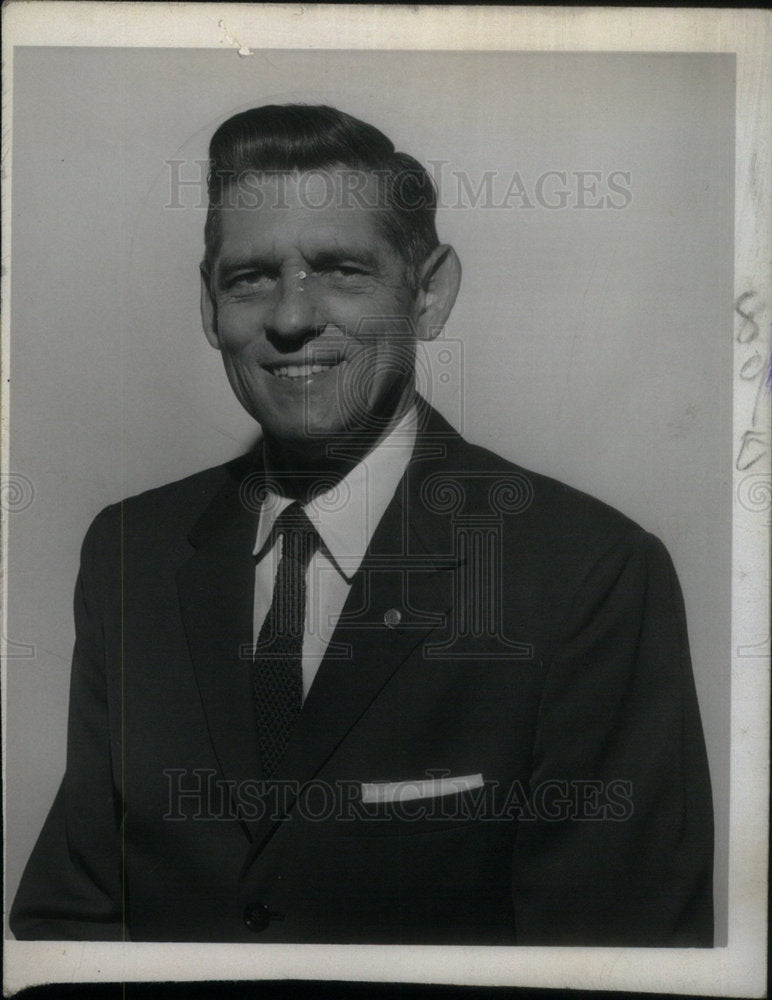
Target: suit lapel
216 587
395 601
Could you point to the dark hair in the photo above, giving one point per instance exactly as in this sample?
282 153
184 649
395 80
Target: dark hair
299 137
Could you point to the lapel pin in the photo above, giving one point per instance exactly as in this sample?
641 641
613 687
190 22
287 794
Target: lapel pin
392 618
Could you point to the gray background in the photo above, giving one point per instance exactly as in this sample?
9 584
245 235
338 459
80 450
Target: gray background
593 345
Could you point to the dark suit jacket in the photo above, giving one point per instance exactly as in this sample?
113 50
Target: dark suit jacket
540 642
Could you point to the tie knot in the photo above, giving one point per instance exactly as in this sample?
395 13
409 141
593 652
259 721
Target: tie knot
301 538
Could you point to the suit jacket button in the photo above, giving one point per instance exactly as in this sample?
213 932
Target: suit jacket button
392 618
257 916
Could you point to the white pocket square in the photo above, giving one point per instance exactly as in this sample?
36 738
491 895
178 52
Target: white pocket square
407 791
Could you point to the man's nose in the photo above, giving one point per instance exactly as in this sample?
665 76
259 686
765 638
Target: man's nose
294 312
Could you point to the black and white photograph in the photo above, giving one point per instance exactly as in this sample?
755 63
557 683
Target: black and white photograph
386 496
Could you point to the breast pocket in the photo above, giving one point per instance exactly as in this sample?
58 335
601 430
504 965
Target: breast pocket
410 808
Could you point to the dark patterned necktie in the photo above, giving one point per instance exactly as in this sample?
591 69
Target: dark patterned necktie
278 665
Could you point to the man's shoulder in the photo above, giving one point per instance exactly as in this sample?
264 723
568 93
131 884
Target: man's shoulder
499 486
554 541
485 478
172 508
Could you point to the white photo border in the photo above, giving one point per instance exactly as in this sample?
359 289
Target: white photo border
739 968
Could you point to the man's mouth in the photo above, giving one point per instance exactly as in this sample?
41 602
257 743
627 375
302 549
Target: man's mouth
301 371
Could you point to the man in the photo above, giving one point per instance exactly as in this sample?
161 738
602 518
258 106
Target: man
369 683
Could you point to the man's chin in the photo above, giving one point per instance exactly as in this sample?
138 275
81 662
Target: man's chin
321 443
307 438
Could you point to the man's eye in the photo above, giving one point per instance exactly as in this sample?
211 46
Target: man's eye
341 272
252 281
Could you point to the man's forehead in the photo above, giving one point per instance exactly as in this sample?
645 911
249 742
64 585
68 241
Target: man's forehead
246 231
319 188
304 210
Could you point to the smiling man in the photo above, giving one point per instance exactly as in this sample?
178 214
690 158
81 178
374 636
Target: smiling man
369 683
338 308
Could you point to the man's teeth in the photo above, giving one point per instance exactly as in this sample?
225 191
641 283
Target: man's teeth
300 371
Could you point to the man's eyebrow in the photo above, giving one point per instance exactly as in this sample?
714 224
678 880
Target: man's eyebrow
354 254
237 262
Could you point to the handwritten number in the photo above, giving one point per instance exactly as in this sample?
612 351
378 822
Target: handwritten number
749 323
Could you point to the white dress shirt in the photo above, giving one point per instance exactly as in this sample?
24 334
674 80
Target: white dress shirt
345 517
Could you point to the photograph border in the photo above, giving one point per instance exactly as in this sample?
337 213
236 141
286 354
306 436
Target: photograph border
739 968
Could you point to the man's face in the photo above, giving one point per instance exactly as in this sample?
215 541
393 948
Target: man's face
311 309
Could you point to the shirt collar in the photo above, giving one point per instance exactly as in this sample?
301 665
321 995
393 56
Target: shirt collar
347 514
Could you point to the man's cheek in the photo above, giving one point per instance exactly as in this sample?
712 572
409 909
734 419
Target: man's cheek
239 324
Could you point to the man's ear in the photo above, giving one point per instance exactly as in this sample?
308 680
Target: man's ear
437 290
208 309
